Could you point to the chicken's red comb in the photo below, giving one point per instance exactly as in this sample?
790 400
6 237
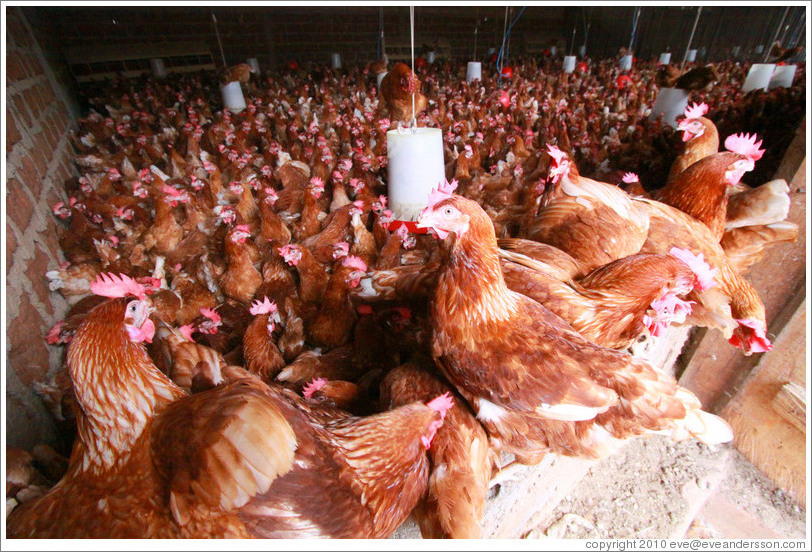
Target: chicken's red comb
243 228
705 276
354 262
444 191
696 110
441 404
110 285
262 307
555 153
317 182
630 177
186 331
169 190
211 315
745 145
312 387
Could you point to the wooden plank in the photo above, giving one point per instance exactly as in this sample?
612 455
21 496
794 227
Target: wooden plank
714 369
773 444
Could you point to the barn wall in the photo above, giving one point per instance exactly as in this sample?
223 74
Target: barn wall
38 161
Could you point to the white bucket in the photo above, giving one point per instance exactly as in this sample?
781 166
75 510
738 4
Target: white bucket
690 56
491 51
474 71
430 57
553 50
626 63
380 78
671 103
665 58
569 64
415 168
254 64
233 99
158 67
759 77
782 76
335 60
582 50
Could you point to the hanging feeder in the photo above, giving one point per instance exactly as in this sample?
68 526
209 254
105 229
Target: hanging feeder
690 56
670 103
430 56
158 67
569 64
415 168
474 71
335 60
665 58
233 99
507 72
254 64
759 77
782 76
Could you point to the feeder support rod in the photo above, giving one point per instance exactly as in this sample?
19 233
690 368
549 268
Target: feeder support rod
775 35
690 39
414 75
217 32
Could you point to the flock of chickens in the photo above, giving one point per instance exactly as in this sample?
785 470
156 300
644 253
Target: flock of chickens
251 352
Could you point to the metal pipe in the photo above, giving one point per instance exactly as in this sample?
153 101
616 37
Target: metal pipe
217 32
775 35
688 47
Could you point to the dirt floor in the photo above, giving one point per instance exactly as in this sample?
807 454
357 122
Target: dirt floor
655 488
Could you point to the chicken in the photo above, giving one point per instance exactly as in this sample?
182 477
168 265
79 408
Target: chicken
241 278
460 458
700 136
764 204
262 355
726 301
745 246
241 459
779 54
333 323
594 222
701 189
612 305
335 364
536 384
399 88
698 78
313 276
240 73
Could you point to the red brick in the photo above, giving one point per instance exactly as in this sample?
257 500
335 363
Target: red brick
12 134
28 356
18 205
15 68
38 154
31 178
33 101
22 110
11 247
36 270
47 93
34 65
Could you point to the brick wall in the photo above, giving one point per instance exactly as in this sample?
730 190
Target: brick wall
38 161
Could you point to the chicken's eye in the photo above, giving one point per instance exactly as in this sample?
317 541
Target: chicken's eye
448 211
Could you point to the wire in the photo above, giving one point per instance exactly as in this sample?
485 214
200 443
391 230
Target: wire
499 59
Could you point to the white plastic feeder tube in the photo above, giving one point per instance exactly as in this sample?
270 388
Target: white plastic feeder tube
158 67
415 168
782 76
335 60
233 99
474 71
670 103
665 58
626 63
430 57
569 64
759 77
690 56
254 64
